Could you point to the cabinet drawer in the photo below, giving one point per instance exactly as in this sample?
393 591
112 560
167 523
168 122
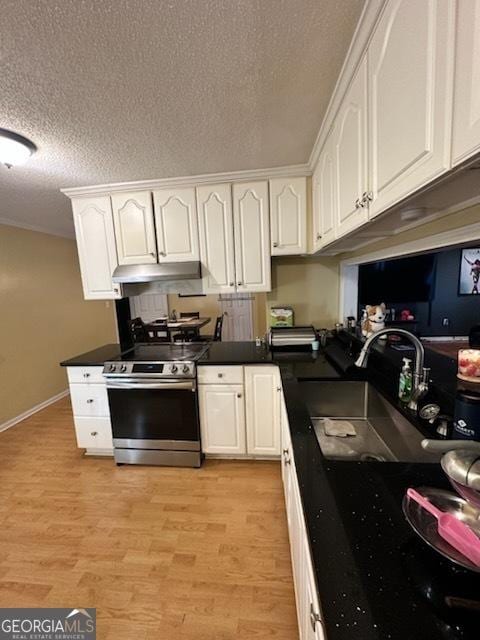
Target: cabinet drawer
220 375
89 400
85 374
93 433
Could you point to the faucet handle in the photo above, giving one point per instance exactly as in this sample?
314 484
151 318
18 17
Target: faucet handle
426 375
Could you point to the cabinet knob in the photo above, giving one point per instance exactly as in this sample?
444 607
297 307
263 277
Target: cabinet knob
86 375
94 433
239 395
90 400
239 284
314 617
275 244
162 253
152 253
220 375
231 284
319 236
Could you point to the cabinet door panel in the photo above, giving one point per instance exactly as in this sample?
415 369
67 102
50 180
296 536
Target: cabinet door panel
350 142
134 227
288 216
176 225
410 86
466 99
324 196
252 236
214 203
222 418
96 247
262 394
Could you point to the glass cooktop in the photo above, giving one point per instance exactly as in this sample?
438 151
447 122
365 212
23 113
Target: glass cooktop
164 352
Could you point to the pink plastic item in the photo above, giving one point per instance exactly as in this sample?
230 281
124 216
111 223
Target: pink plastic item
454 531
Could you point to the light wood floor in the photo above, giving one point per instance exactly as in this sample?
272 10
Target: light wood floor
163 554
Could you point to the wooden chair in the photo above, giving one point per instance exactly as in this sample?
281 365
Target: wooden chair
138 331
190 335
159 333
217 334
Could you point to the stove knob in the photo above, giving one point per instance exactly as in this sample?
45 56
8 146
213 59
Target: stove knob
186 368
174 368
112 367
123 368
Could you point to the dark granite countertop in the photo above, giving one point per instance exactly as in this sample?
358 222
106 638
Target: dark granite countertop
93 358
376 579
236 353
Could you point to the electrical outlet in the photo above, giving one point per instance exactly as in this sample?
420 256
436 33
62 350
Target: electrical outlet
445 322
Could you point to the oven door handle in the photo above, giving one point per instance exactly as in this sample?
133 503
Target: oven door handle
132 383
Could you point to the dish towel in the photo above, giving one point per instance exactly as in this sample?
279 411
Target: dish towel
339 428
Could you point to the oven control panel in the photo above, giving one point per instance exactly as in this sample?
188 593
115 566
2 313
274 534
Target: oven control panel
155 369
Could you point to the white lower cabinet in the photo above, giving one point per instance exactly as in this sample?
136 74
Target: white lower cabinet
240 410
222 418
262 399
91 413
310 624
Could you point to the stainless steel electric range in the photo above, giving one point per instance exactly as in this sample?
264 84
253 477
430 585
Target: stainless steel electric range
152 393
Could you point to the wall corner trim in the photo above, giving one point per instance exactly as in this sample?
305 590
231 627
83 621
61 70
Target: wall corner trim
35 409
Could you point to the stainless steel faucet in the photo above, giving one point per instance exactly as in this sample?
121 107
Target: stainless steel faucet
421 374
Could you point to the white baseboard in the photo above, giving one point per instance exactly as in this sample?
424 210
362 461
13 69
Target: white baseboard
35 409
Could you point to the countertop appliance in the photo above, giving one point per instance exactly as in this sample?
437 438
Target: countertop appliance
288 337
152 393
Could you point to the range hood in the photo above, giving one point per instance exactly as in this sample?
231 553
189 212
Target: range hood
164 272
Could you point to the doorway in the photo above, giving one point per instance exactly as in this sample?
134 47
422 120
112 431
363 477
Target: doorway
237 311
149 306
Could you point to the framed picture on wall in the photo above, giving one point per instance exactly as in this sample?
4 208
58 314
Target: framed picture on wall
469 277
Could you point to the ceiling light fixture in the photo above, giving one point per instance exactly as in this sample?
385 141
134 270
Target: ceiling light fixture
14 148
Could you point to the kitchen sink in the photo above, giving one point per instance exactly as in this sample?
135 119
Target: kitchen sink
382 432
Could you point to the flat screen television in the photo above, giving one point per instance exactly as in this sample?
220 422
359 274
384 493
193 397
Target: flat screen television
402 280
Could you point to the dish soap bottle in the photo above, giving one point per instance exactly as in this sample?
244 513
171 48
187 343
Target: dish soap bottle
406 381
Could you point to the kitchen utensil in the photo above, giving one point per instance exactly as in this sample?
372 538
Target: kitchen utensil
425 525
463 466
442 446
457 533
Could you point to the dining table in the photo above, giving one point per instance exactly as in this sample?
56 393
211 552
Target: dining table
182 325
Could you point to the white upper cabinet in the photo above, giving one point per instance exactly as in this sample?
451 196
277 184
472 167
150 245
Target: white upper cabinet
262 402
134 227
324 197
96 247
215 221
252 236
288 216
351 157
176 225
466 99
410 62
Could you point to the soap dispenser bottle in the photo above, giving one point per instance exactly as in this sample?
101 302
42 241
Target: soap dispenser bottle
406 381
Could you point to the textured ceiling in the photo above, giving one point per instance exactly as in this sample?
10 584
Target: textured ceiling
114 90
